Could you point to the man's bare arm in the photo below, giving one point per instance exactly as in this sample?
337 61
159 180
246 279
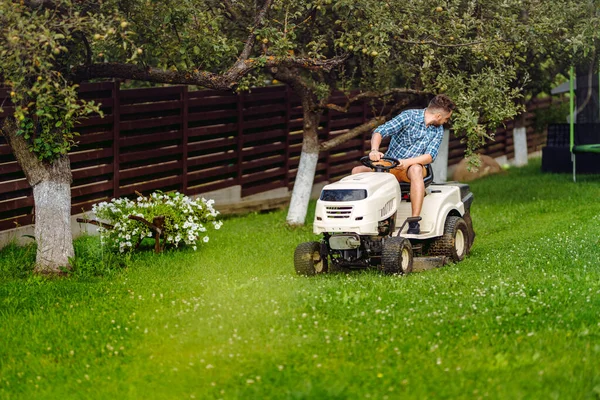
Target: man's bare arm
375 154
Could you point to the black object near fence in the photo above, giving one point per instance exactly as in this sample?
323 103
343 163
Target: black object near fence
556 156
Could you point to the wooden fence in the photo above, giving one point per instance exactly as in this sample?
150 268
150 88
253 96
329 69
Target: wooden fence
198 141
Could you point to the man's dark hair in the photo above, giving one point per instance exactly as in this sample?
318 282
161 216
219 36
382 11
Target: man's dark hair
442 102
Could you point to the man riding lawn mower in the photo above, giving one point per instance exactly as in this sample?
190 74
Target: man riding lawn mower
373 219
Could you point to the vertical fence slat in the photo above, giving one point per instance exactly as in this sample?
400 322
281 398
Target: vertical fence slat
240 136
184 140
116 135
288 117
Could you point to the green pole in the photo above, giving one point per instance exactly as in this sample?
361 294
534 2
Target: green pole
572 107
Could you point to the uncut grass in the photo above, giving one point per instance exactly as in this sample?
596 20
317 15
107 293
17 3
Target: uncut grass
518 319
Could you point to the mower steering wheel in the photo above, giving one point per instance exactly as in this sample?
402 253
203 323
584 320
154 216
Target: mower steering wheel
367 162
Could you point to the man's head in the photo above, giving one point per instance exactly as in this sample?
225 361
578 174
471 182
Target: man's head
440 110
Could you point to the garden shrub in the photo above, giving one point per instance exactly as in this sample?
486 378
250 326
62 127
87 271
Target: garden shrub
186 219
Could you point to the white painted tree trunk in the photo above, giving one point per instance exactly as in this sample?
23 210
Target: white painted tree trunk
440 164
520 143
51 183
302 188
53 226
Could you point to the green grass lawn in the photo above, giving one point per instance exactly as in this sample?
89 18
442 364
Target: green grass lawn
519 318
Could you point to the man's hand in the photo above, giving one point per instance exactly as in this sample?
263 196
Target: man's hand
375 155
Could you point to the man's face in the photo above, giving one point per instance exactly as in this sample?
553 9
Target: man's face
441 118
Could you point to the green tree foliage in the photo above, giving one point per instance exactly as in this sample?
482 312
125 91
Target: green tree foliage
485 54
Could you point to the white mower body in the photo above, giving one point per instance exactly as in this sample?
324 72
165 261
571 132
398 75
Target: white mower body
439 201
378 201
382 199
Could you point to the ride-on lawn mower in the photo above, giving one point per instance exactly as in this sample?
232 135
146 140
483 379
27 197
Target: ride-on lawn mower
364 221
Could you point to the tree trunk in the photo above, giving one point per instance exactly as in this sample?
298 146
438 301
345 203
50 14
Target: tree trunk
51 183
307 168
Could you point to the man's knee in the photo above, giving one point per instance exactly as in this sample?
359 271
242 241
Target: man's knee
415 172
359 169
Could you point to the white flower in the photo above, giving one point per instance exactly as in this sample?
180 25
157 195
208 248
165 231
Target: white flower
205 239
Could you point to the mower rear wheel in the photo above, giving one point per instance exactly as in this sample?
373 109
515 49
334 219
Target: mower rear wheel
469 221
308 260
397 256
455 243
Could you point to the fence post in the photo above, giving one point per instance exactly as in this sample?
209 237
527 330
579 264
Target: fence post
288 117
116 136
240 137
184 128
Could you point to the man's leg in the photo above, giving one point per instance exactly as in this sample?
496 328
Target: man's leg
361 168
417 188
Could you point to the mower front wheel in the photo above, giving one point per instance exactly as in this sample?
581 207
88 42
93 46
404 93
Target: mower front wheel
397 256
308 259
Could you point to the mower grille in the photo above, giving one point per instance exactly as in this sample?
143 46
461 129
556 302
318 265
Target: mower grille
338 212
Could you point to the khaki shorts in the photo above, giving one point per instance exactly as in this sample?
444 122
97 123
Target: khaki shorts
400 174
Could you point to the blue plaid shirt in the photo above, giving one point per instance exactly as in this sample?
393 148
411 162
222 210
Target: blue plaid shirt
410 137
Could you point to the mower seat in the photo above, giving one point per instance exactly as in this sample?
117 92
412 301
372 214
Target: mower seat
428 180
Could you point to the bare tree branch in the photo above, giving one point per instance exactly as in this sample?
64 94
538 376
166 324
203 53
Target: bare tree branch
588 95
366 127
258 22
352 133
393 91
88 50
371 95
206 79
334 107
